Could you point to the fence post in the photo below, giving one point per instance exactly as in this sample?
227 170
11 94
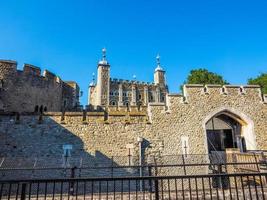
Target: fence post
112 160
220 177
72 175
184 165
256 161
23 191
150 181
157 189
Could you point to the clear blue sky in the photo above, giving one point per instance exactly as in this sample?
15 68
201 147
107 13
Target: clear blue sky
225 36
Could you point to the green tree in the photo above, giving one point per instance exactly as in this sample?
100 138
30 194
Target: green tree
260 80
203 76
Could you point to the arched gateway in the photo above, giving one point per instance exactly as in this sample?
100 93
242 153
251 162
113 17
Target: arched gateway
229 128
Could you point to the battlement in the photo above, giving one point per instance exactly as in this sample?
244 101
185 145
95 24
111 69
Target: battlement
122 81
31 70
199 89
36 91
11 62
10 67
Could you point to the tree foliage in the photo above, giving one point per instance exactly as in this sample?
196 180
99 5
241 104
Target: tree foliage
260 80
203 76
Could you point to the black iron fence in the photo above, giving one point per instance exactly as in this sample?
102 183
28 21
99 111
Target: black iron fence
132 170
213 186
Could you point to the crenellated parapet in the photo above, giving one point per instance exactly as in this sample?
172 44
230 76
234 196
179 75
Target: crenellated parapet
122 81
223 91
8 69
201 96
29 90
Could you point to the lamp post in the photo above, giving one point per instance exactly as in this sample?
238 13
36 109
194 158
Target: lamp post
140 140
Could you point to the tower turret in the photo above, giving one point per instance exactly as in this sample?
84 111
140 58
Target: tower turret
159 74
103 80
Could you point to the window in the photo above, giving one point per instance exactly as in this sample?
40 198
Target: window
36 108
113 103
41 109
139 96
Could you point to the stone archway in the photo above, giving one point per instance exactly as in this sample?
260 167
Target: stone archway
228 128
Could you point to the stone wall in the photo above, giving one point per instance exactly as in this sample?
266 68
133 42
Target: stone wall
112 132
28 91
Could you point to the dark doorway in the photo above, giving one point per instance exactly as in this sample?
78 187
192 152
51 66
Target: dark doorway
223 132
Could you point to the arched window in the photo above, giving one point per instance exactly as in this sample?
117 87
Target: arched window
139 104
113 103
41 109
36 108
45 109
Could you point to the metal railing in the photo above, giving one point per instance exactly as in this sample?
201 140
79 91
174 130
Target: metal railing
131 170
212 186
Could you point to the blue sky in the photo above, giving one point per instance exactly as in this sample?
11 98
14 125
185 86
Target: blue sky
66 37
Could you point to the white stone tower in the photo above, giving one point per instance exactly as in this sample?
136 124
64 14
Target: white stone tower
91 89
159 74
103 81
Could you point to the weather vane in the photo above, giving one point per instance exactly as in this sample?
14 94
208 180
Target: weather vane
93 77
104 53
158 60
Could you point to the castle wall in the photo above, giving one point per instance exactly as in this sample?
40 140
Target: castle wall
162 127
27 90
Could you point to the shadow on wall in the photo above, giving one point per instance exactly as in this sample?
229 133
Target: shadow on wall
50 150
